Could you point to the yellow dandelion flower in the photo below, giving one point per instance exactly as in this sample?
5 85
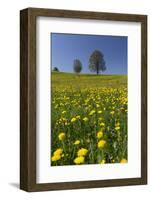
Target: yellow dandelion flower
117 124
92 112
101 144
117 128
78 117
102 161
61 136
73 119
100 118
55 157
102 124
99 134
123 160
82 152
58 152
85 119
100 111
79 160
112 112
77 142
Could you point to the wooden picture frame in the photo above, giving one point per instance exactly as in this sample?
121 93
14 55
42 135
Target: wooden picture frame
28 98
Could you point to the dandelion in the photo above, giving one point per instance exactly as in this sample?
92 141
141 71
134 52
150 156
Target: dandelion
100 118
117 128
99 134
85 119
73 119
100 111
55 157
58 152
61 136
102 124
112 112
78 117
66 123
82 152
102 161
117 124
79 160
77 142
92 112
123 160
101 144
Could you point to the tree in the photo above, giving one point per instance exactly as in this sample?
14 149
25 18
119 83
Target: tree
55 69
77 66
97 62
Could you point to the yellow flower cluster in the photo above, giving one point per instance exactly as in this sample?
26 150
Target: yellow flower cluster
57 155
81 156
88 113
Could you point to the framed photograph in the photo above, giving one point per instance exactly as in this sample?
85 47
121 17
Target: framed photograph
83 99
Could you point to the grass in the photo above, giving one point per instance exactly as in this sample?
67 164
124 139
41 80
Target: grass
89 119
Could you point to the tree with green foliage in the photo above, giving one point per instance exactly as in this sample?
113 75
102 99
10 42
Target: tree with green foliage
77 66
97 62
55 69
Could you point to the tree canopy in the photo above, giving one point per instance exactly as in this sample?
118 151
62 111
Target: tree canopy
97 62
77 66
55 69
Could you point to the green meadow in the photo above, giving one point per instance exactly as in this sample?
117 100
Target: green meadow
88 119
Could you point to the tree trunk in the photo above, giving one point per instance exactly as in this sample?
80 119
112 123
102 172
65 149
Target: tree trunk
97 69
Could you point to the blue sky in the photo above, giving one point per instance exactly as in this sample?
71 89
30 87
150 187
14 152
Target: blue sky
67 47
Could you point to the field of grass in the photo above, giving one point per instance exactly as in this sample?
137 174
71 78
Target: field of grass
89 119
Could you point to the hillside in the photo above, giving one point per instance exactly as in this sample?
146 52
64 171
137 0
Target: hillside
83 80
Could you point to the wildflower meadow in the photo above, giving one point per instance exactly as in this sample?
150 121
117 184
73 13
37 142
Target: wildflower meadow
88 119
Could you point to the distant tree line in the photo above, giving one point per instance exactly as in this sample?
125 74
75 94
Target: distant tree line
96 63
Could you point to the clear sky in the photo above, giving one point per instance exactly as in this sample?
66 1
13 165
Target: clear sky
67 47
